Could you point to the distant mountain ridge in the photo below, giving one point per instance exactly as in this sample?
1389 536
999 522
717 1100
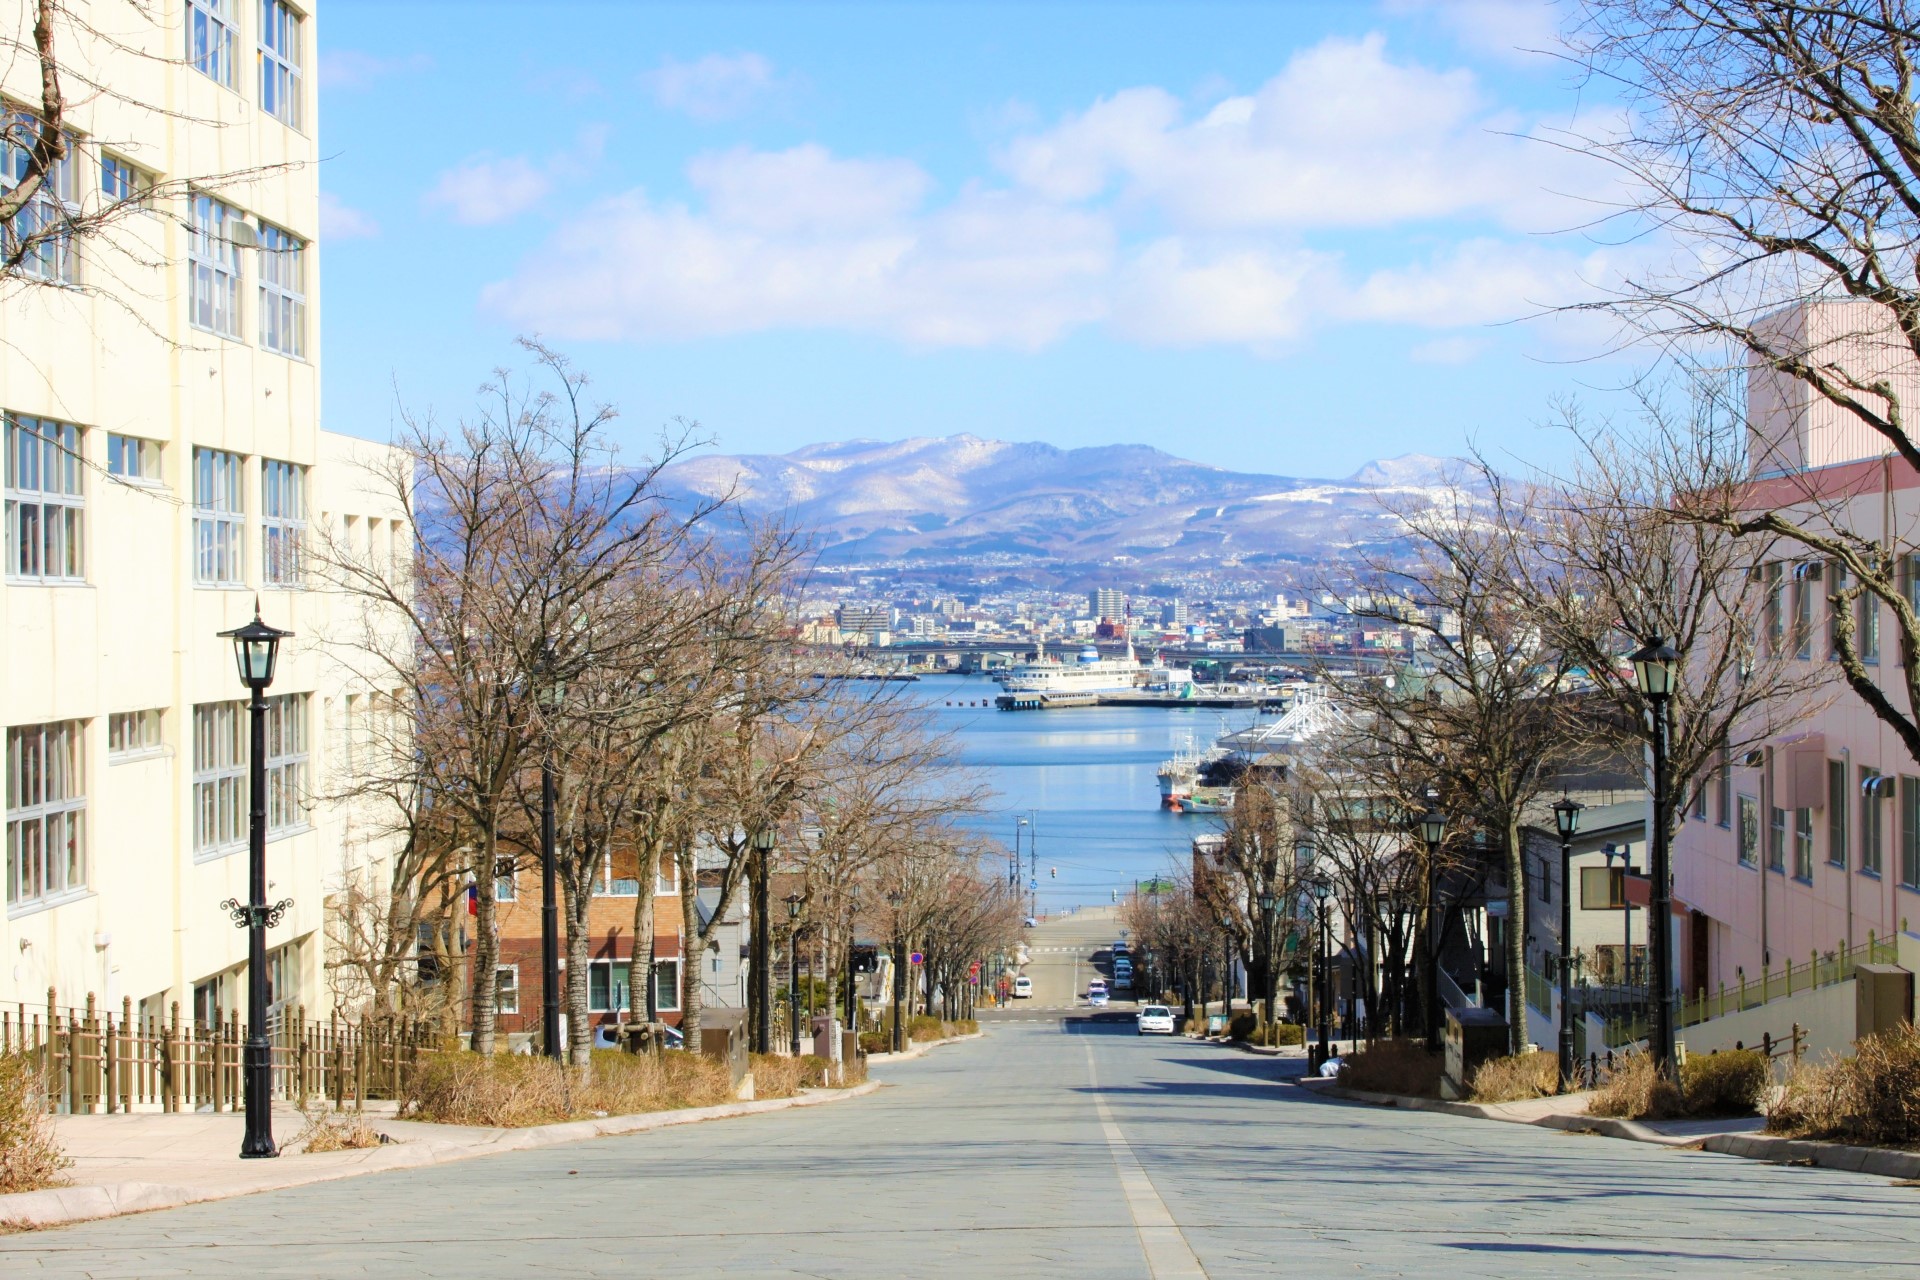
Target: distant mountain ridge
964 497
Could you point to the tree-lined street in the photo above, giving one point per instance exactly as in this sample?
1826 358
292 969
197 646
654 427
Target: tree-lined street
1061 1148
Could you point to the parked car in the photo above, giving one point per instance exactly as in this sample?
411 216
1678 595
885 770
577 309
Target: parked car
1154 1020
1120 948
1097 999
1023 988
1097 988
1123 972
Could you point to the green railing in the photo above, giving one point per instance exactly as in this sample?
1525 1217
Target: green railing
1539 991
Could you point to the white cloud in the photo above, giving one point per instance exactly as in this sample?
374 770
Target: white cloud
485 189
341 221
715 87
1174 294
1343 137
1511 30
344 69
805 188
1477 282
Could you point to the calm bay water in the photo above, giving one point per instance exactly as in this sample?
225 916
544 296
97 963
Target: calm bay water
1084 777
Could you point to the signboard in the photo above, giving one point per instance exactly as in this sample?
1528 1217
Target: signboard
1638 890
916 958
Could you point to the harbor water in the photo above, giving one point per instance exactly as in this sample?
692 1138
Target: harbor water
1084 778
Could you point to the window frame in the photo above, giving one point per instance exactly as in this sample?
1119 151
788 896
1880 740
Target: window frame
1615 880
283 536
219 518
660 964
34 449
213 266
1802 839
280 49
1776 838
150 739
213 35
281 268
148 458
289 757
1839 826
1872 823
1909 832
508 990
606 971
1746 845
52 804
220 800
52 258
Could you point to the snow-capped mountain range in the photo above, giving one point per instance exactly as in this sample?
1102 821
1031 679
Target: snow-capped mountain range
964 497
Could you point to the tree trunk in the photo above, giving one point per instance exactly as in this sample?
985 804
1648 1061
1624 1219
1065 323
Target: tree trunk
760 958
1516 937
575 900
693 951
486 946
640 995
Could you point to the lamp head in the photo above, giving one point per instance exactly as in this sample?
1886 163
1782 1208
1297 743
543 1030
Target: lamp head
1266 901
1656 665
256 650
1566 816
793 906
1433 827
762 838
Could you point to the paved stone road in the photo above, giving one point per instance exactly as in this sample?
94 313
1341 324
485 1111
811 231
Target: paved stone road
1054 1150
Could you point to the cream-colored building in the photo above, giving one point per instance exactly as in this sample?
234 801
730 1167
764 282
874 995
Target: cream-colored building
165 469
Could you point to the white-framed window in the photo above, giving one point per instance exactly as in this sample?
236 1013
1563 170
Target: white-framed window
45 502
219 519
609 985
286 764
122 181
283 976
506 884
132 458
283 522
212 29
42 222
213 300
132 735
283 292
46 813
666 879
666 985
219 778
506 988
280 37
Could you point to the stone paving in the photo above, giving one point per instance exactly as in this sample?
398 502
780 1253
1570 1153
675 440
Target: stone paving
1003 1157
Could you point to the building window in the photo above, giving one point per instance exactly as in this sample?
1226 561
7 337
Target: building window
45 504
666 985
1776 839
132 458
506 989
120 181
214 263
1603 888
283 292
211 31
666 880
219 778
1723 788
1868 636
41 225
1748 845
506 887
280 62
1837 578
1910 832
286 763
1836 813
133 734
1775 622
1870 820
283 522
283 975
219 519
46 813
1805 576
1803 843
608 983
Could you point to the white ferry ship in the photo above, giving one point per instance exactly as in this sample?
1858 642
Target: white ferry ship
1051 682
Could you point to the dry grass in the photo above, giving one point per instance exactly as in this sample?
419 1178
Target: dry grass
775 1076
516 1090
1732 1082
1515 1078
29 1158
335 1131
1872 1098
1274 1035
1634 1092
1393 1066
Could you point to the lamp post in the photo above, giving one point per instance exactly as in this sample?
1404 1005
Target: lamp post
1626 912
761 958
793 968
853 940
256 648
1566 817
1303 855
899 968
1266 952
1433 829
1655 669
1321 888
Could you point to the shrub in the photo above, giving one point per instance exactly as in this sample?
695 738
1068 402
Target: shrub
1196 1027
876 1041
515 1090
1634 1092
1872 1098
1732 1082
1242 1025
1393 1066
964 1027
334 1131
1512 1079
1274 1035
29 1157
924 1026
775 1076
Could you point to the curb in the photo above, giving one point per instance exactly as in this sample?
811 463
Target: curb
1883 1162
915 1050
63 1206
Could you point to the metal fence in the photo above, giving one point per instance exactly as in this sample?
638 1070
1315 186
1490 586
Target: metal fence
97 1061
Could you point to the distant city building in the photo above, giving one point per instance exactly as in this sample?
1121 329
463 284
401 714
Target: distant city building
864 617
1106 602
1174 613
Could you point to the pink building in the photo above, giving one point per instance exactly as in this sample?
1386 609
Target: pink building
1813 841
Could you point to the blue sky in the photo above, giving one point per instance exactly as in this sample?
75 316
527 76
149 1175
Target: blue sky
1279 236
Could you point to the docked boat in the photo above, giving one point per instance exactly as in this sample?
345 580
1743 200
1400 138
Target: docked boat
1053 682
1208 800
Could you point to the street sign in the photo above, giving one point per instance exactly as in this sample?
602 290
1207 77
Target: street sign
1034 883
916 958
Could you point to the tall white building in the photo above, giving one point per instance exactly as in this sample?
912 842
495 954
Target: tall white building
165 468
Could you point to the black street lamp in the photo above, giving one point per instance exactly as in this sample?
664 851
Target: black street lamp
793 968
899 969
1566 817
853 938
256 648
1433 829
761 959
1321 888
1656 667
1267 967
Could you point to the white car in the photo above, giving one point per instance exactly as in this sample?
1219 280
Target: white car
1154 1019
1023 988
1096 993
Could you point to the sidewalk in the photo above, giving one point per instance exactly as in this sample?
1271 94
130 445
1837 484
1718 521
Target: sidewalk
134 1163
